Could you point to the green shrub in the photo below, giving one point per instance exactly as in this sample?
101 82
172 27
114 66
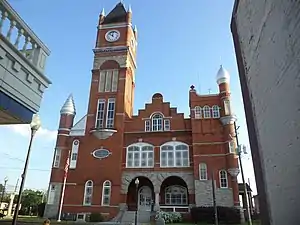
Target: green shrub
96 217
169 217
227 215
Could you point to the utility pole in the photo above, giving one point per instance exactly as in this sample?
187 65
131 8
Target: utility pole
214 197
239 152
12 197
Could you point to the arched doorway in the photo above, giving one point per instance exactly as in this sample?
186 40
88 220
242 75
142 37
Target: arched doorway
174 192
140 197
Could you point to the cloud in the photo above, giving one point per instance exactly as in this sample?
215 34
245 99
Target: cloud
24 130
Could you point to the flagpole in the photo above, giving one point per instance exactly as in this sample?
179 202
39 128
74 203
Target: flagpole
64 187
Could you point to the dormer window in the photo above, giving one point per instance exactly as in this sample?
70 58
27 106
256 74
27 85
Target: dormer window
157 122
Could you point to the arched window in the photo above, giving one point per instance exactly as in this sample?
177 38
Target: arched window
106 192
206 112
176 195
202 171
88 193
157 122
140 155
74 154
223 179
198 112
174 154
215 111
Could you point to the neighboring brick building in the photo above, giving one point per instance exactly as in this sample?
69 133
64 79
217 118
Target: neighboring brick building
173 157
266 38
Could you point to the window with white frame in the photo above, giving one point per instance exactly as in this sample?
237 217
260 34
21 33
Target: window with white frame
157 122
147 125
206 112
223 179
140 155
198 112
74 154
176 195
51 195
88 193
202 171
231 145
57 157
174 154
108 81
227 107
110 116
106 192
216 111
167 125
100 114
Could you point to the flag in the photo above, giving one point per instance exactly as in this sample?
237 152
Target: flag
67 166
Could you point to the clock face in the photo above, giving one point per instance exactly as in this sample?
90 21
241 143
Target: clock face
112 35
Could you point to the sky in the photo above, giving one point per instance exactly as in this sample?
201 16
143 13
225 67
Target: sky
180 43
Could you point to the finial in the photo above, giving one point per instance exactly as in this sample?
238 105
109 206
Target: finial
102 13
135 28
129 9
69 106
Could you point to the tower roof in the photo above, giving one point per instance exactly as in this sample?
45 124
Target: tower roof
69 106
117 15
222 76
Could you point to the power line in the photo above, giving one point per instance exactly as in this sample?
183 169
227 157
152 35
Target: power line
15 168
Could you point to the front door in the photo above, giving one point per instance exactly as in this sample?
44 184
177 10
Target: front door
145 198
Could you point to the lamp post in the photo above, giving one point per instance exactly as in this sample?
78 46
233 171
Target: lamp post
3 190
34 125
214 197
137 198
239 152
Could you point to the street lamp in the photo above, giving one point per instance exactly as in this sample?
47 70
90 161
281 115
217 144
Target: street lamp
34 126
3 190
137 199
239 152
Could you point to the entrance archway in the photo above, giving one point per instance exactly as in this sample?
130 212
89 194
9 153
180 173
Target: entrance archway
141 197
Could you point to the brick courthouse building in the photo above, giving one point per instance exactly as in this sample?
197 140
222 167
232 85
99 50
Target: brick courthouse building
173 157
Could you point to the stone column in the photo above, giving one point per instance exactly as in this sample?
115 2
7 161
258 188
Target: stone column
156 204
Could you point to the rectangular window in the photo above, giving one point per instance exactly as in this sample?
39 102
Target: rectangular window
110 116
100 113
167 125
56 160
227 107
232 147
147 126
51 196
203 171
102 81
108 81
115 78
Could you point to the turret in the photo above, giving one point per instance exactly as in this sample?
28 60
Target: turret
67 114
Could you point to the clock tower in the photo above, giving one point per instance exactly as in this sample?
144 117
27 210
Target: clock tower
112 91
113 73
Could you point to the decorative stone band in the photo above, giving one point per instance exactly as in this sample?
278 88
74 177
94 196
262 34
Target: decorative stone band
226 120
234 172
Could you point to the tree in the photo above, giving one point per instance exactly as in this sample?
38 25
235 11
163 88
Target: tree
30 201
1 188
